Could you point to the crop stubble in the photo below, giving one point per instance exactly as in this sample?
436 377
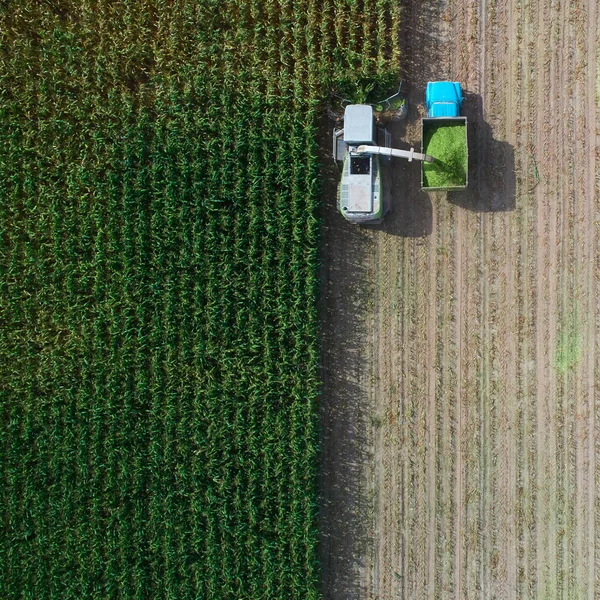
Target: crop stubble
484 353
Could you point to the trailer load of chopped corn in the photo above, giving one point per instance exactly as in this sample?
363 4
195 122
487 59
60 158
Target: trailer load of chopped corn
447 143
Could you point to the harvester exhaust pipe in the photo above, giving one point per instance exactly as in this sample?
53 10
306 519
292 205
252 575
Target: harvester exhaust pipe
382 151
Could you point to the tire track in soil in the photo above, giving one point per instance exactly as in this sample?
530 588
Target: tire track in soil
501 394
486 86
405 384
457 317
418 401
459 416
415 421
401 418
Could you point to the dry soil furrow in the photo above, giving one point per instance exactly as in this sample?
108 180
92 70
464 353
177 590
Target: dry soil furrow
378 360
567 356
459 466
448 400
495 393
563 324
424 253
387 474
509 223
471 442
408 540
436 417
447 357
496 397
564 359
494 402
429 415
463 66
460 24
389 407
523 131
591 312
444 405
485 457
585 287
469 230
491 60
544 82
430 420
403 428
506 349
413 400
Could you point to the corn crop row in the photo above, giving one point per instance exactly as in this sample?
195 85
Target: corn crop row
159 225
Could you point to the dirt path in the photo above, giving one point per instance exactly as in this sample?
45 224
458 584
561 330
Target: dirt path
461 358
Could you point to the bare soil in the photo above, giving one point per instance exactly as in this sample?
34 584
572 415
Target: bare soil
461 358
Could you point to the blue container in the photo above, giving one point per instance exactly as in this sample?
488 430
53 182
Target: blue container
443 99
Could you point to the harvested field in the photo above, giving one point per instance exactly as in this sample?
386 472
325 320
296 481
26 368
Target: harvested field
460 439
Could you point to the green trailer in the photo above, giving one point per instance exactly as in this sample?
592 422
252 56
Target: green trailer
445 138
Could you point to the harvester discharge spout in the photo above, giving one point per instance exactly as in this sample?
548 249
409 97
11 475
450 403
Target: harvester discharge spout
382 151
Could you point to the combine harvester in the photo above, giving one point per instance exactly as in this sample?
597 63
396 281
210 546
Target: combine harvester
363 196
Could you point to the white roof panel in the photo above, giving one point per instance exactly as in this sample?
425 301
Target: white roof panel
358 124
360 193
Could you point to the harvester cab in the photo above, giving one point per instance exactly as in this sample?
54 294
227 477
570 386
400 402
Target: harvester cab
363 194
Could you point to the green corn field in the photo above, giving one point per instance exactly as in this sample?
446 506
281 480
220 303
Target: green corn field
159 198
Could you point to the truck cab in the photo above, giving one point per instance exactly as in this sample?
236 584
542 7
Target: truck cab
443 99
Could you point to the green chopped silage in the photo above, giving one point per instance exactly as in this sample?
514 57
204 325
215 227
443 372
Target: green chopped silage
447 144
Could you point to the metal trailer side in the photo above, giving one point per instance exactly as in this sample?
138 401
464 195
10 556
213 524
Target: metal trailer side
425 121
